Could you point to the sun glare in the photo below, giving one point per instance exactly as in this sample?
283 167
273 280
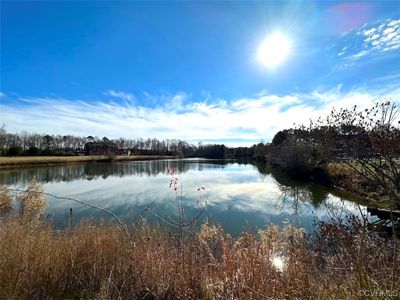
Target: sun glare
278 262
274 50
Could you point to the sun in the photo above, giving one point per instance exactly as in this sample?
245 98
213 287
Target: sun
274 50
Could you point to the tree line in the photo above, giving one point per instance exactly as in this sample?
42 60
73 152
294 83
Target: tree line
33 144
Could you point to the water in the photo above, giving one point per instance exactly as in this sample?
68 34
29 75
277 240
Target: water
240 196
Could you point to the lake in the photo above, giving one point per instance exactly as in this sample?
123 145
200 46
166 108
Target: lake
238 196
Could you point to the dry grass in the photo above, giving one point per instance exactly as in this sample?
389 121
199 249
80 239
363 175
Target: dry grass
100 262
50 160
5 200
103 262
344 176
349 179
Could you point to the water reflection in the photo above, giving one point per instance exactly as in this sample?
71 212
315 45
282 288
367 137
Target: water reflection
93 170
294 192
240 195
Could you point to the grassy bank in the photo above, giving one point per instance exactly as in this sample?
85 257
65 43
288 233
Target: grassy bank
361 183
7 162
365 185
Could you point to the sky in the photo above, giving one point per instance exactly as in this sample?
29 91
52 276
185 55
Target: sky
190 70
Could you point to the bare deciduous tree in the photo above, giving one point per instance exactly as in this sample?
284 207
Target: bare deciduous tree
366 143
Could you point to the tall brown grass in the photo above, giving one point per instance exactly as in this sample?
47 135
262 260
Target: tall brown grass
5 200
338 261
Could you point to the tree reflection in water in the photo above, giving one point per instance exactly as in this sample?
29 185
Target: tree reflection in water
94 170
294 193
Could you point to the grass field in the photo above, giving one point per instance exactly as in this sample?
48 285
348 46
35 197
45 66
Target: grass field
50 160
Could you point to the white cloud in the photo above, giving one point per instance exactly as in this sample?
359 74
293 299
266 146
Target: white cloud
2 94
121 95
360 54
253 118
382 38
369 31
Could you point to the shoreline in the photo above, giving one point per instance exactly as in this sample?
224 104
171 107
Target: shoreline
37 161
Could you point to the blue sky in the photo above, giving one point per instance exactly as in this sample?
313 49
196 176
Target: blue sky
188 69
